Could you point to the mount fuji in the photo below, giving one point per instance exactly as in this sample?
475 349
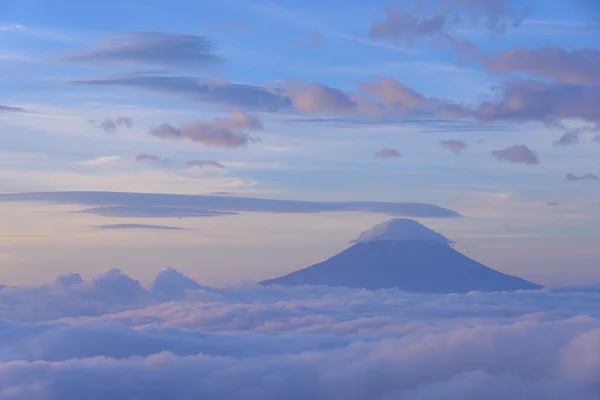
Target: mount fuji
404 254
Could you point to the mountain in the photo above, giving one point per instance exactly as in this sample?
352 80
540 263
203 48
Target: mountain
404 254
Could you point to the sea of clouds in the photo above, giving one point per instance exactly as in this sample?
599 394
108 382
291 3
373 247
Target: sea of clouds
110 338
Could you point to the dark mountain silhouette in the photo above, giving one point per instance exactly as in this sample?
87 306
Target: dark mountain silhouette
404 254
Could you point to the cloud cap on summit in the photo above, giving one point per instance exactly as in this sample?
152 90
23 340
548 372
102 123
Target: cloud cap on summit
400 229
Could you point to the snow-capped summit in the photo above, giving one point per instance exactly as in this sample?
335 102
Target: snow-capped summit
401 229
404 254
171 283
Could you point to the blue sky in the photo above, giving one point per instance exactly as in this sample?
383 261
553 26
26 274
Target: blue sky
295 101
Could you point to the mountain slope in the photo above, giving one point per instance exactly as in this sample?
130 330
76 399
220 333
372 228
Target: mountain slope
421 265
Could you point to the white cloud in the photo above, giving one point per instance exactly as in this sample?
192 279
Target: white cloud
112 338
102 160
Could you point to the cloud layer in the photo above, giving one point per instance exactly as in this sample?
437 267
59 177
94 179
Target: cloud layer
111 337
147 205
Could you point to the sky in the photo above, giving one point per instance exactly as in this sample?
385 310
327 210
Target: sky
241 140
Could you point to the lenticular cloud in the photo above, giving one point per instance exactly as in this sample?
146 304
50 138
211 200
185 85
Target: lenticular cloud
112 338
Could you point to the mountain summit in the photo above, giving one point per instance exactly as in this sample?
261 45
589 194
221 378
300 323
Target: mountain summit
404 254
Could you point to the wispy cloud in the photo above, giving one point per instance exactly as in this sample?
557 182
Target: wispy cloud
585 177
204 163
138 227
198 90
150 158
165 50
102 160
8 109
387 153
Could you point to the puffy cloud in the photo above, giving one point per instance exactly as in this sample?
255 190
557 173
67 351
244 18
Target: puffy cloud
314 98
111 125
69 279
159 49
145 157
516 154
399 99
392 93
387 153
199 90
170 283
578 66
456 146
204 163
138 226
114 283
315 38
147 205
585 177
221 132
320 343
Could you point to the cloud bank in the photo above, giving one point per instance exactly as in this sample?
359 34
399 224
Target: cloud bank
111 337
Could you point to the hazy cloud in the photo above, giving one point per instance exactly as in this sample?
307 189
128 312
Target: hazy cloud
315 38
516 154
165 50
387 153
456 146
204 163
591 177
221 132
145 205
138 226
144 157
